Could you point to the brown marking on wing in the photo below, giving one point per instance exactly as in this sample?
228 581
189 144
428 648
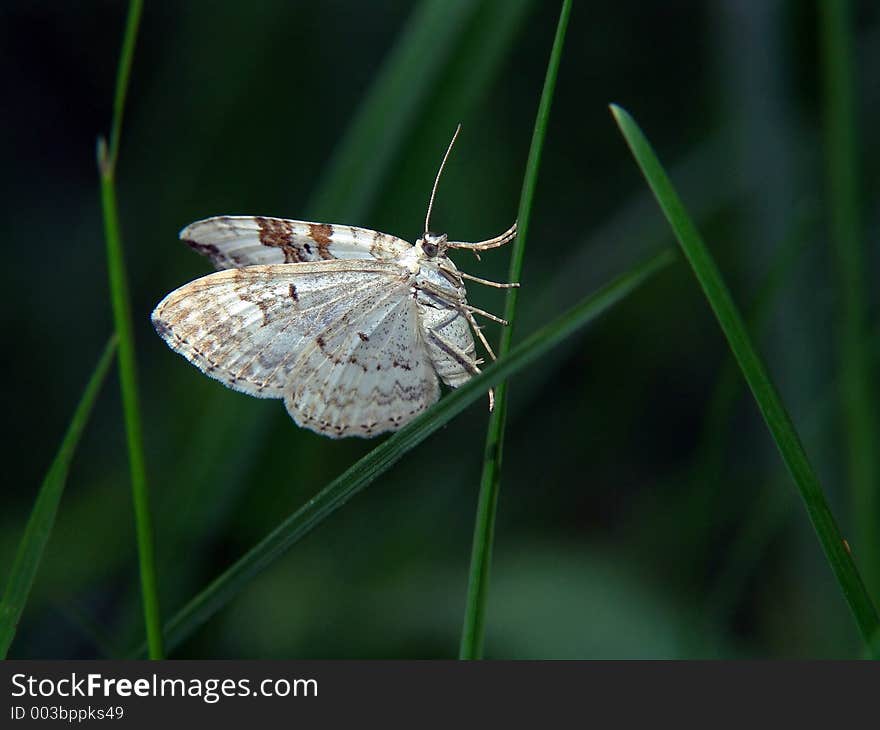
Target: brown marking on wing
278 233
292 292
321 234
354 361
261 304
206 249
374 246
364 337
335 359
163 329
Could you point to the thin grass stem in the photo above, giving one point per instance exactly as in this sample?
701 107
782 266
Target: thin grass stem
473 630
123 73
353 177
120 300
42 519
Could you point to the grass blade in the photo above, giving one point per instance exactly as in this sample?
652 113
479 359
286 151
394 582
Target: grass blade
484 528
107 158
708 468
766 396
768 517
858 402
39 526
354 175
376 462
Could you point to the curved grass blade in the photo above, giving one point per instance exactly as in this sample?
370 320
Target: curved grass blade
727 386
485 43
107 158
766 396
709 459
376 462
857 394
354 175
484 48
484 528
42 519
768 516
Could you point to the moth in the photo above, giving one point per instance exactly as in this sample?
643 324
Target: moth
352 328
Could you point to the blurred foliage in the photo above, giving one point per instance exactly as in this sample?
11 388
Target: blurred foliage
614 537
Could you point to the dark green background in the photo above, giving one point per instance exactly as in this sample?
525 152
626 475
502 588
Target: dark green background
632 522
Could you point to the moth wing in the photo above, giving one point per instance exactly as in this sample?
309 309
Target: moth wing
248 328
366 376
233 242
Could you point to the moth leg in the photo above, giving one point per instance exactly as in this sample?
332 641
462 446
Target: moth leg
461 358
500 240
484 313
479 330
487 282
459 304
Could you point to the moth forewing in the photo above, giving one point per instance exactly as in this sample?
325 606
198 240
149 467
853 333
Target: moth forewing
238 241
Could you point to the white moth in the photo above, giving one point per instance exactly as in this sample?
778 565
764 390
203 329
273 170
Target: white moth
350 327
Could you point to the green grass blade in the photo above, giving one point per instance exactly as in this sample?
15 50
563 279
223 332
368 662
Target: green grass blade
478 56
709 453
768 516
376 462
766 396
39 526
709 459
481 554
858 399
354 175
120 300
123 73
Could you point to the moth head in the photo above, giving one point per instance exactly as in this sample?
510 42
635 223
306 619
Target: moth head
432 244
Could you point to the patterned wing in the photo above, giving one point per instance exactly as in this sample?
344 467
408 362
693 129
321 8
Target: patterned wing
247 327
232 242
366 375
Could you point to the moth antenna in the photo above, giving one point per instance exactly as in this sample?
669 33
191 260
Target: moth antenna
437 179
